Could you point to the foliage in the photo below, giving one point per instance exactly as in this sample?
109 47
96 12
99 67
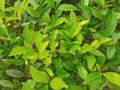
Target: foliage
59 44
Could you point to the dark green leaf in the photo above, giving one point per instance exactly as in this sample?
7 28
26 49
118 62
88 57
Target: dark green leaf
15 73
6 83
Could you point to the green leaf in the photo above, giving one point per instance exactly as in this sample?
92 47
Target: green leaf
53 42
33 12
30 55
85 48
112 77
3 30
111 24
111 50
29 85
44 54
73 17
47 61
15 73
18 50
27 34
74 87
2 5
49 71
58 83
38 38
100 2
39 76
43 46
82 72
75 29
67 7
85 2
93 78
61 20
91 60
69 65
6 83
51 3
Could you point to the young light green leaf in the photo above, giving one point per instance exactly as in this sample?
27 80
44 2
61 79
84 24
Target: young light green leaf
32 55
75 30
18 50
82 72
47 61
112 77
29 85
49 71
43 46
58 83
61 20
6 83
75 87
15 73
111 24
67 7
38 38
85 48
44 54
111 51
73 17
27 34
2 5
39 76
53 42
85 2
93 78
91 60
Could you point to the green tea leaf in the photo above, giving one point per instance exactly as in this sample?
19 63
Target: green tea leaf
51 3
93 78
43 46
111 24
60 21
49 71
69 65
47 61
2 5
100 2
67 7
18 50
91 60
15 73
6 83
112 77
58 83
74 87
44 54
111 50
39 76
85 48
85 2
73 17
82 72
29 85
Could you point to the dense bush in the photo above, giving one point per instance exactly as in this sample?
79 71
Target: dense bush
60 44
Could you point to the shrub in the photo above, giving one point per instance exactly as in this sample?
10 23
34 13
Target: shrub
59 45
